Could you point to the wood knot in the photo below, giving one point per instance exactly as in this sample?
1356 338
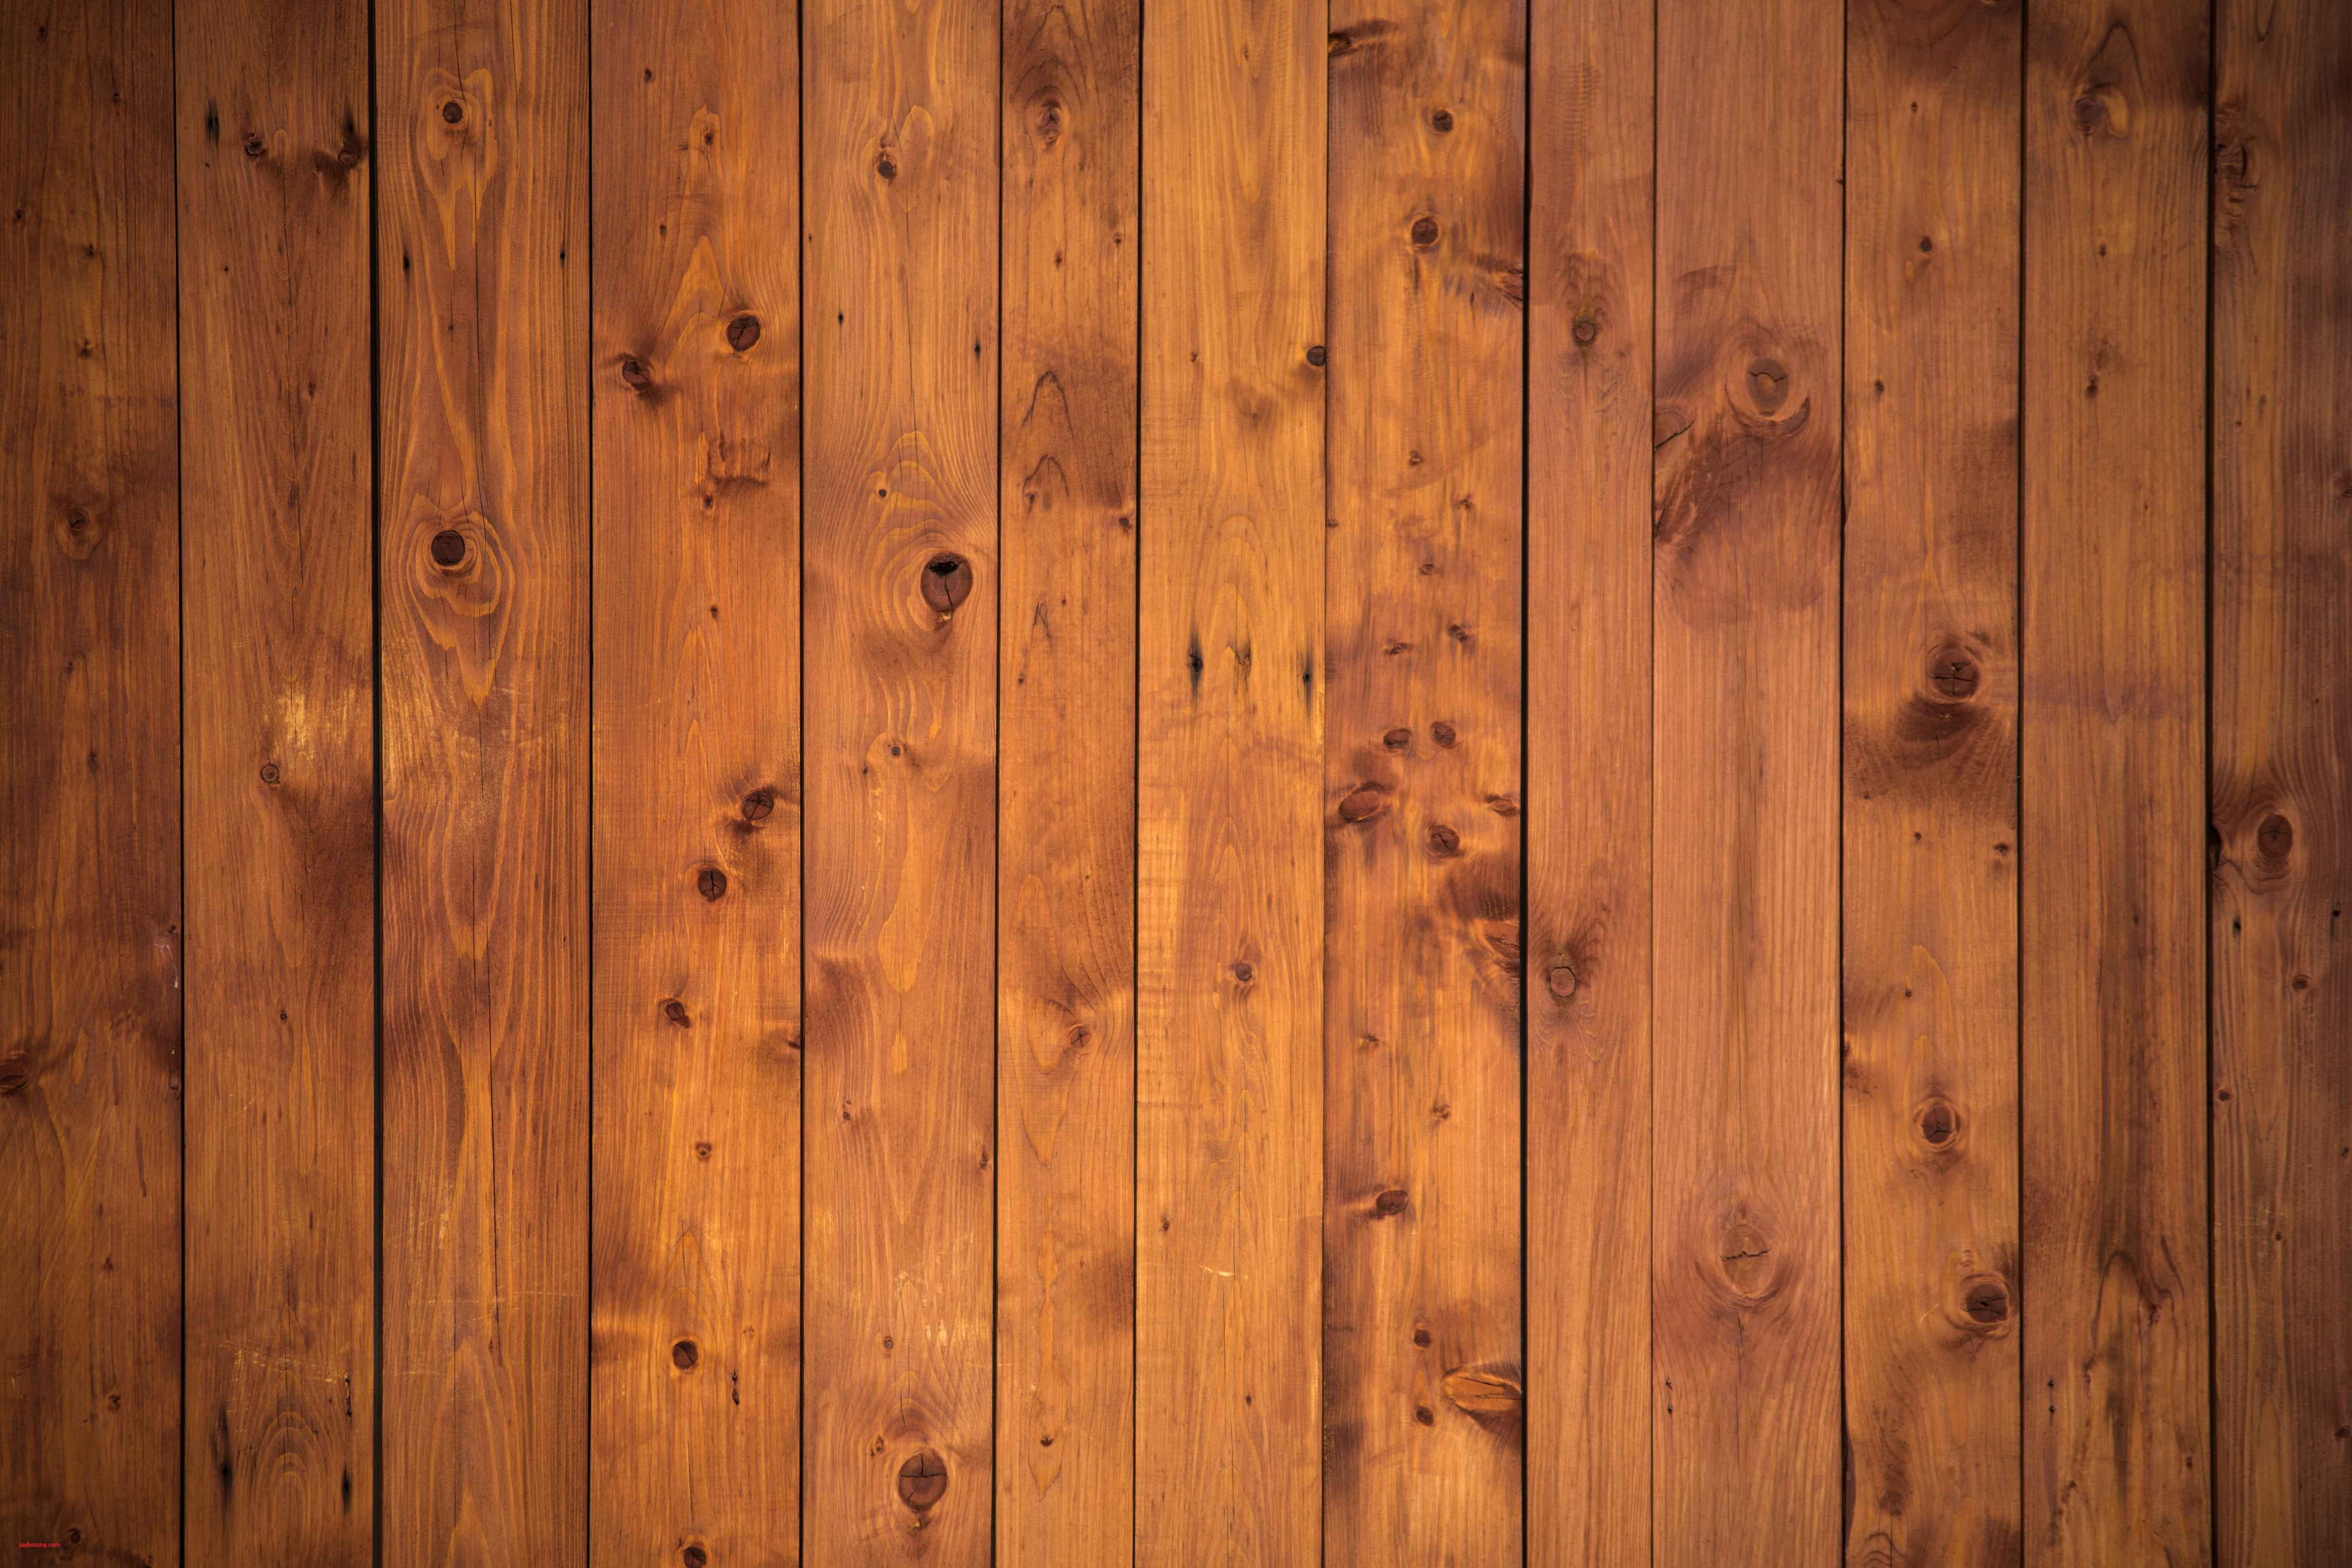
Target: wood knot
1953 674
270 773
448 548
1938 1123
1768 385
1585 330
1442 122
1389 1201
947 582
675 1010
684 1354
1317 356
15 1073
1747 1260
2276 837
1363 804
758 805
1397 740
693 1557
1985 1299
1424 232
886 167
922 1481
711 883
742 333
1421 1338
1483 1391
1243 972
634 375
254 146
1443 842
1443 733
452 112
1561 982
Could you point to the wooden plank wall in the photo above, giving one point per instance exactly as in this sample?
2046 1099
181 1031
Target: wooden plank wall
1211 781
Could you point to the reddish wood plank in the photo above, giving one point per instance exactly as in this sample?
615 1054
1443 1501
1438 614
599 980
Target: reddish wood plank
2281 800
1586 1204
1065 865
697 1396
1930 795
2114 1067
1229 1157
89 785
277 511
1745 1264
1422 1414
482 555
900 609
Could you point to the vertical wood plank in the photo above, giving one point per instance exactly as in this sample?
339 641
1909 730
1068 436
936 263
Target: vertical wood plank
696 1401
900 617
1590 254
482 555
1930 784
2282 803
1745 1266
278 505
1422 1419
1229 1159
89 785
2113 1074
1065 866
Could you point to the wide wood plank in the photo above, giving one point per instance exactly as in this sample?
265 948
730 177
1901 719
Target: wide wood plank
1930 785
2113 1078
1745 1264
482 555
1229 1144
278 508
696 1397
1065 864
2281 796
899 131
1422 1412
1587 1202
89 785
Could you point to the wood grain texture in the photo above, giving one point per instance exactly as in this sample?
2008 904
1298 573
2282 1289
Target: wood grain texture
1422 1419
1229 1145
277 506
482 556
697 1396
1745 1263
1587 1209
2281 797
1065 860
89 786
2112 1080
1930 785
900 591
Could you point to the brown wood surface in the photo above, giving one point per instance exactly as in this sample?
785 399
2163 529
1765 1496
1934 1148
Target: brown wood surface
482 554
2117 1459
1422 1419
89 786
900 586
1932 1285
1745 1262
1587 1210
1229 1136
276 506
696 1398
2281 800
1065 860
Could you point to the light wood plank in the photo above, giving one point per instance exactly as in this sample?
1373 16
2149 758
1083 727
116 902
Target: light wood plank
278 508
482 556
696 1397
1422 1417
1229 1159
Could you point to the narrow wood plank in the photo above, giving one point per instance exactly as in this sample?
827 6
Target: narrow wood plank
2113 1075
278 508
899 594
482 555
1745 1265
1229 1157
697 1396
1930 785
1591 124
2280 798
89 785
1423 1418
1065 863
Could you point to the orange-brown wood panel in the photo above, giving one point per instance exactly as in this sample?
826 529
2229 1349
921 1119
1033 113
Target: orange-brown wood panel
1421 1413
1930 795
696 1398
1587 1203
89 785
482 583
1065 860
900 598
1745 1262
2118 1460
1229 1136
2281 799
276 506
